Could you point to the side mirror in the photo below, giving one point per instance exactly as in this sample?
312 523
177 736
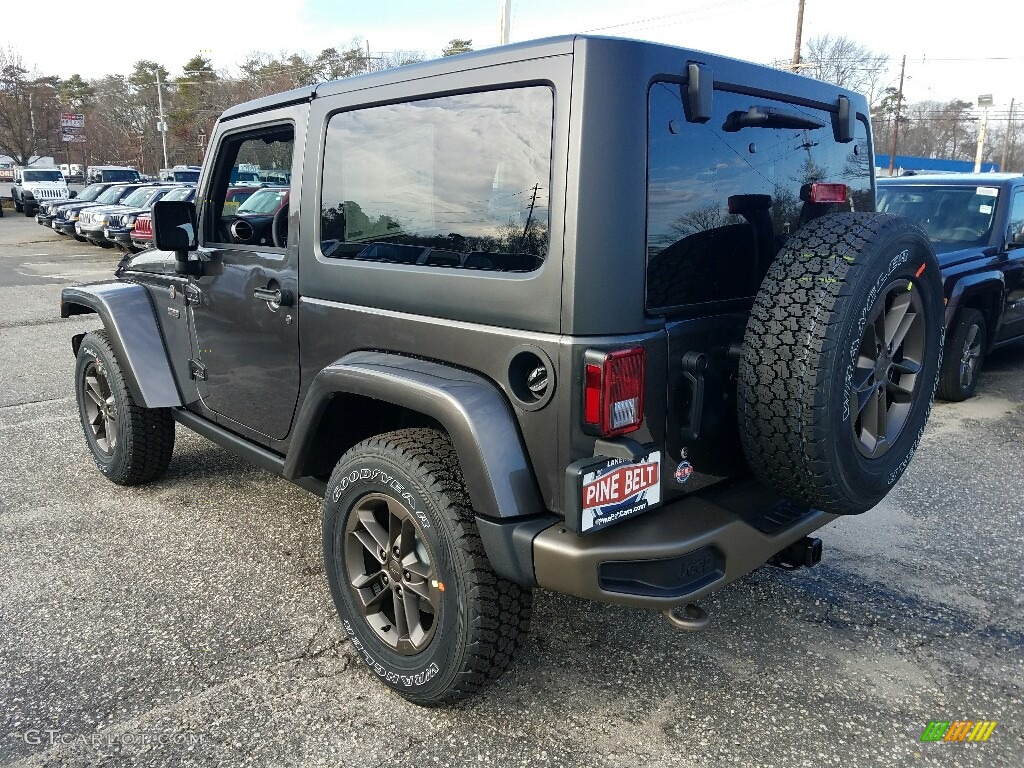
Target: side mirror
174 229
1015 239
72 195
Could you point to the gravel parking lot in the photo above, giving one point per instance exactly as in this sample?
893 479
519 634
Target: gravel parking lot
188 622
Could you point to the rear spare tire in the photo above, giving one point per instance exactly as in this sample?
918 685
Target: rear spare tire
841 360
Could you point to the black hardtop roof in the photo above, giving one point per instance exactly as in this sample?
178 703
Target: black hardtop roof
953 179
726 70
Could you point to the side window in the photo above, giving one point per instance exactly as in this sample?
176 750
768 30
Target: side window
457 181
1017 215
244 212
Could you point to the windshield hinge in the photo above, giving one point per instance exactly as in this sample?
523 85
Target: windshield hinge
192 294
196 370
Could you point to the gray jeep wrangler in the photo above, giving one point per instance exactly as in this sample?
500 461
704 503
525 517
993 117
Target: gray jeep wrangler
610 318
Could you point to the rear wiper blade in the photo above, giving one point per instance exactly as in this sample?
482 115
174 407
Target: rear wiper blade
768 117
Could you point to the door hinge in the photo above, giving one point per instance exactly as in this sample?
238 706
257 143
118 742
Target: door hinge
197 370
192 294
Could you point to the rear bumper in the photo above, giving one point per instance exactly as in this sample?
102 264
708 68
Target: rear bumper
672 555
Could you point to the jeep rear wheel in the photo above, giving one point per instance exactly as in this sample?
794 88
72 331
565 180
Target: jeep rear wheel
840 360
130 444
965 352
408 573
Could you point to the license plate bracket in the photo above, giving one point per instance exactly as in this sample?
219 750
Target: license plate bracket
601 491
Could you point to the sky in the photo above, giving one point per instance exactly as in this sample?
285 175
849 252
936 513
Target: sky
953 51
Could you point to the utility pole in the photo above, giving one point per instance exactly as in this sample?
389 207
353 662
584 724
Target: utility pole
162 125
896 126
1006 138
984 101
506 21
799 37
367 55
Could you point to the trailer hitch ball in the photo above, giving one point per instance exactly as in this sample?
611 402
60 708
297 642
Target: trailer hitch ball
687 618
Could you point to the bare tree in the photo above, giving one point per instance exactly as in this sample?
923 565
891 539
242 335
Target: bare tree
28 110
845 63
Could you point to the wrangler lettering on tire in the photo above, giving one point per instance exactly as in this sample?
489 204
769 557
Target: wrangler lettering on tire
840 360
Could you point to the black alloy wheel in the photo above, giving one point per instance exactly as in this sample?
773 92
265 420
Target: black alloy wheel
391 573
965 355
100 407
888 363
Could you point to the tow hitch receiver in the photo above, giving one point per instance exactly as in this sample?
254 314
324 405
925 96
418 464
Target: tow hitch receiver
803 553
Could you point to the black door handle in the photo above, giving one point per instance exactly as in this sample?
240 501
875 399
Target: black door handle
274 296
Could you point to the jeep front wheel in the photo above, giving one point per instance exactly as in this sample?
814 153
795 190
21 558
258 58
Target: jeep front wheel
408 573
841 359
965 352
130 444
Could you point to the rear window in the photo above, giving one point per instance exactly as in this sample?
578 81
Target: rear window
724 196
119 175
458 181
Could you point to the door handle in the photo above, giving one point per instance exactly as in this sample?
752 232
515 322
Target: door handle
274 296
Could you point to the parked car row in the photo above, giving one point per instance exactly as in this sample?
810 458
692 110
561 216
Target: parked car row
118 214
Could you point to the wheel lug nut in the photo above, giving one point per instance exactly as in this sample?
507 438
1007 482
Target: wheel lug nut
406 575
394 551
384 578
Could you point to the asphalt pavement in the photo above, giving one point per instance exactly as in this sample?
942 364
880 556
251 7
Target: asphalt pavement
188 622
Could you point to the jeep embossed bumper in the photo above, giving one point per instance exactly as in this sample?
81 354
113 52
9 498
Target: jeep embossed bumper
674 554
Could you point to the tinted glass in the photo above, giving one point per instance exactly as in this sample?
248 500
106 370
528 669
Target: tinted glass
724 196
263 201
127 175
139 197
192 176
457 181
951 215
1017 214
43 176
184 193
112 195
90 193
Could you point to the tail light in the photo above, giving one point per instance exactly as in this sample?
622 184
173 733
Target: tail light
613 393
827 193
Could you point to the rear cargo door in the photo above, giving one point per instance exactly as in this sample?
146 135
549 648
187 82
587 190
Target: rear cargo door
723 198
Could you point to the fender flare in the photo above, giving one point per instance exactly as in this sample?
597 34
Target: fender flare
971 284
474 412
129 319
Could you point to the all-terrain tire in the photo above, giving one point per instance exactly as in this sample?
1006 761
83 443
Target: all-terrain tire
808 423
17 204
481 619
964 355
136 446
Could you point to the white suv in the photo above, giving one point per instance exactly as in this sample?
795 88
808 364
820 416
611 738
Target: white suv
33 186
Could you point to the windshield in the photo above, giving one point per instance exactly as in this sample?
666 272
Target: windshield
263 201
91 193
185 193
186 176
139 197
126 175
954 215
112 195
44 176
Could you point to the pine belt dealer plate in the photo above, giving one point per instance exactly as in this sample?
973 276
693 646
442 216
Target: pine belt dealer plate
604 491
